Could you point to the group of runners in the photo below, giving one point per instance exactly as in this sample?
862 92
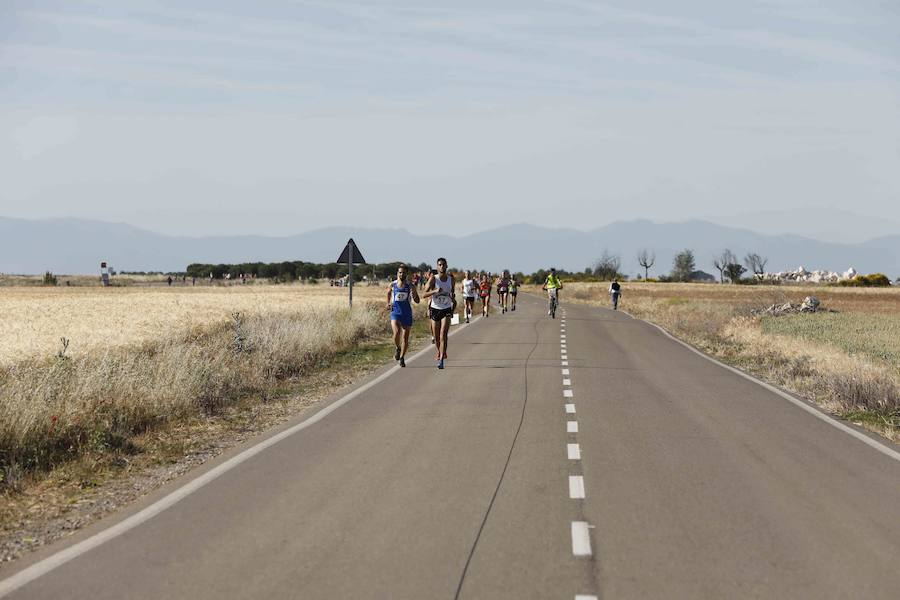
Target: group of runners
440 292
481 285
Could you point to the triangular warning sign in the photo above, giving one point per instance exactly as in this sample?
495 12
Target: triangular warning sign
357 255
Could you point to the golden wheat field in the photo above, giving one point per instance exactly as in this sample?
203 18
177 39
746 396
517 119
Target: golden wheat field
33 319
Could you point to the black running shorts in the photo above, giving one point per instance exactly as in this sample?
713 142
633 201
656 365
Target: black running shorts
439 314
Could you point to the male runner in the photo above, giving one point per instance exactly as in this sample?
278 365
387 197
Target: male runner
401 312
469 286
442 291
552 285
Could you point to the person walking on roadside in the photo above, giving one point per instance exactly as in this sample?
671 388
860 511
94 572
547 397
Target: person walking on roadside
615 291
469 285
398 302
441 289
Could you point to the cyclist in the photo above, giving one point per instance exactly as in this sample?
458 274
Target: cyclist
469 285
552 285
442 291
513 291
401 312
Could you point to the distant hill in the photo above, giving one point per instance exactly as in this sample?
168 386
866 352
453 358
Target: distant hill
75 246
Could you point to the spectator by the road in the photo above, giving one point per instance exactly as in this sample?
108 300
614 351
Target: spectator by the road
615 291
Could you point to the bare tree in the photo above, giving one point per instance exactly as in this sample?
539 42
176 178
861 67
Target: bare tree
721 262
756 264
646 260
607 266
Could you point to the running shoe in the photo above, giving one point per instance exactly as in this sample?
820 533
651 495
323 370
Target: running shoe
397 353
467 319
402 362
441 364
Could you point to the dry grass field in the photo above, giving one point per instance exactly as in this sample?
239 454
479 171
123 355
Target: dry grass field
848 361
142 357
34 319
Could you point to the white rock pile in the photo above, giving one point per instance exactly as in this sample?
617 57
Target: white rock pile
810 304
801 275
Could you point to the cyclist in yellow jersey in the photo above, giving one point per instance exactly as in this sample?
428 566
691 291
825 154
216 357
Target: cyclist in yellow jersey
552 285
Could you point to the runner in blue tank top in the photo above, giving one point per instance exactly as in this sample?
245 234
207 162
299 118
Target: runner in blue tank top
398 298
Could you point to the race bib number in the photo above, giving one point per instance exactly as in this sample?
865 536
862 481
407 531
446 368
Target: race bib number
401 296
442 301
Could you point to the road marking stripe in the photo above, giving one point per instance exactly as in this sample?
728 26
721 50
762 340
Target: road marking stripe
564 356
889 452
576 487
565 363
571 426
585 597
567 382
581 539
574 451
568 394
26 576
562 337
570 408
565 371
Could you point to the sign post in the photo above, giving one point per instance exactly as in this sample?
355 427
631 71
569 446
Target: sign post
351 255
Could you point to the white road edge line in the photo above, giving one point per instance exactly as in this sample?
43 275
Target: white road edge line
576 487
887 451
571 426
574 451
570 409
581 539
26 576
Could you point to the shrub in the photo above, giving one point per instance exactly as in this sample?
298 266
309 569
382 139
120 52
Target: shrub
49 278
870 280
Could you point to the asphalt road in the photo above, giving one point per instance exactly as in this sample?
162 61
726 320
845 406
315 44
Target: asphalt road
587 455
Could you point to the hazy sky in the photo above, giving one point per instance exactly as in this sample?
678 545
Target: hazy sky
220 116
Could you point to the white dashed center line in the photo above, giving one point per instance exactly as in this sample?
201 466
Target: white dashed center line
574 451
567 382
565 363
581 539
568 393
565 371
570 409
576 487
571 426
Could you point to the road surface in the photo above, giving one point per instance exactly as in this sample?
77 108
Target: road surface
586 456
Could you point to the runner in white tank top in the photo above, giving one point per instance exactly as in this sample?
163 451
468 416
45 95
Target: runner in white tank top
469 286
441 289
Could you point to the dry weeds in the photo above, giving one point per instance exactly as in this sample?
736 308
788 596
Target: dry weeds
147 357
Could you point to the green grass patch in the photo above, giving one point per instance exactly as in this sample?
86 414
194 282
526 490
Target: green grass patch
874 336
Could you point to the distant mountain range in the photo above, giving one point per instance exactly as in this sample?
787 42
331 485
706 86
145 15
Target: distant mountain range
74 246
